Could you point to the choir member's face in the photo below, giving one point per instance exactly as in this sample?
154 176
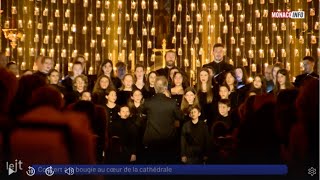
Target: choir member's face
223 92
137 97
178 79
77 70
128 81
257 82
204 77
275 71
152 78
47 65
229 79
268 73
104 83
112 97
170 59
124 112
86 96
139 73
308 66
239 74
107 69
80 84
194 113
54 78
190 97
281 79
218 53
223 109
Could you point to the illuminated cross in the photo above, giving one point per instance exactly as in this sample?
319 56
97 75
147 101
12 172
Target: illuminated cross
163 51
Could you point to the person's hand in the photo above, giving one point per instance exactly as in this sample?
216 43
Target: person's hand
133 158
184 159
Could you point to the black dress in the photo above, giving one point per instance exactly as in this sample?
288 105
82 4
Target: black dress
177 98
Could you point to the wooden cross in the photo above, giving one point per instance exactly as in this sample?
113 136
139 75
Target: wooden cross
163 51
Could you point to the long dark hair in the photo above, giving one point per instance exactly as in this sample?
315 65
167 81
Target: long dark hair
103 64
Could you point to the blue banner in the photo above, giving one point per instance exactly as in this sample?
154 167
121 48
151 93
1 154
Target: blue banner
51 170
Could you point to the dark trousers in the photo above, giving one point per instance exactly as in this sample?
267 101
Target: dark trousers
161 153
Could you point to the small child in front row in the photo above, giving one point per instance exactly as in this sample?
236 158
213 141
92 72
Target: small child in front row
194 139
123 138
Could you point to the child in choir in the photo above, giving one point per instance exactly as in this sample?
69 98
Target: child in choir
194 139
177 89
111 107
189 100
150 85
77 69
224 91
224 112
101 86
125 92
123 138
135 105
85 96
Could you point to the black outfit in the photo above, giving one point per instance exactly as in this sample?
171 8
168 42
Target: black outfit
99 97
42 75
219 69
160 135
164 72
208 110
300 79
116 82
177 98
123 97
112 115
149 92
140 121
123 140
67 83
60 88
195 142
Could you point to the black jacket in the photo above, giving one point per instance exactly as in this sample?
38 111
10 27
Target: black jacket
300 79
161 113
219 69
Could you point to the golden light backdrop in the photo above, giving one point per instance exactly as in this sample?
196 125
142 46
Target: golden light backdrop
130 30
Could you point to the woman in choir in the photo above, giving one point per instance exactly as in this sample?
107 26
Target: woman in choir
171 73
241 76
150 91
99 91
106 68
54 78
177 89
135 105
139 75
190 99
125 91
80 84
282 81
206 97
259 85
234 97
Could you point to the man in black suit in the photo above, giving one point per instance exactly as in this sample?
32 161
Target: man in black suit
160 137
308 65
44 65
218 65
